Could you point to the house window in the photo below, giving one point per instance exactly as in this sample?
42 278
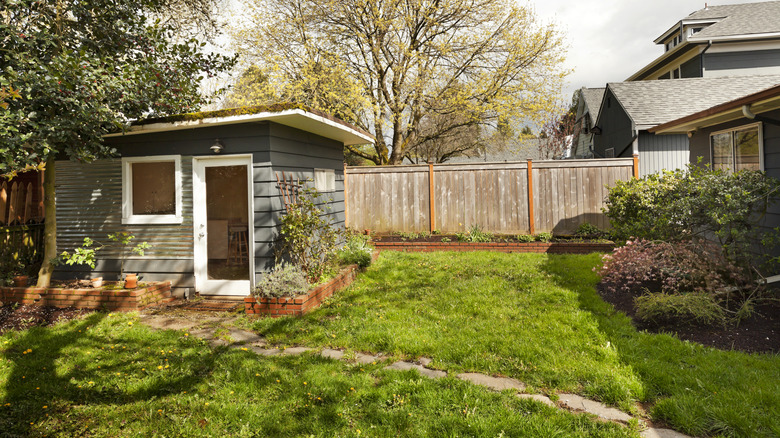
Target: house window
737 149
325 180
151 190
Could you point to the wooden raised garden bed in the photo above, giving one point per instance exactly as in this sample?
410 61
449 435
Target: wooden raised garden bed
122 300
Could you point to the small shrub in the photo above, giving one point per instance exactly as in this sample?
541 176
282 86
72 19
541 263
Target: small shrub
475 235
308 236
408 236
544 237
357 250
587 230
698 308
525 238
446 239
284 280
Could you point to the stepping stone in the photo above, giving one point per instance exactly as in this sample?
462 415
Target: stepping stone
244 337
332 354
366 358
425 361
495 383
661 433
577 403
265 351
292 351
538 397
406 366
218 343
202 333
167 323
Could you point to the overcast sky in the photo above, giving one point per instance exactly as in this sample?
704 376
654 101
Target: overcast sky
611 39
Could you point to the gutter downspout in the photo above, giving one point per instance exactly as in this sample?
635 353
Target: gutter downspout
701 56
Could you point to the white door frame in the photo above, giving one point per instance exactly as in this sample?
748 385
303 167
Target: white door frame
202 282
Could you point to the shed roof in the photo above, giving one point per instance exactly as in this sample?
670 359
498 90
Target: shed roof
293 115
651 103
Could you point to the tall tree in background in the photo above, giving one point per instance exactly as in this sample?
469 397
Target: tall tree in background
84 68
557 134
413 72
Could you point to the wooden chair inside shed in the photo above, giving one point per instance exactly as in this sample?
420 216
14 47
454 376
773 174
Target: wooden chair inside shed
238 242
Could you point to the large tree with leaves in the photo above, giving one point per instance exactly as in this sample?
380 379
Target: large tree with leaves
403 67
83 68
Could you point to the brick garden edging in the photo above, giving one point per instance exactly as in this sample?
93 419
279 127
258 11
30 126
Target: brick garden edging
301 304
508 247
122 300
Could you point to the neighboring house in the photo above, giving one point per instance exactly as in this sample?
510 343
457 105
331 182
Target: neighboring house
588 105
740 134
202 190
630 109
726 40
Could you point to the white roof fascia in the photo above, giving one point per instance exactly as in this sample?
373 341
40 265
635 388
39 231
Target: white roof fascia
336 130
676 27
749 36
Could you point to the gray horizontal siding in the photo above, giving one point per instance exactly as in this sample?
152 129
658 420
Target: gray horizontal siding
757 61
662 152
89 204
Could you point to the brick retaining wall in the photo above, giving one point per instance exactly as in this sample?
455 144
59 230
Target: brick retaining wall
509 247
123 300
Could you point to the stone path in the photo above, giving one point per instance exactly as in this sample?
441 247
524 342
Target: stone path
213 331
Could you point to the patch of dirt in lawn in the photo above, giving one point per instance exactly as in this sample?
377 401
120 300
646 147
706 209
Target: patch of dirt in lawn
22 317
758 334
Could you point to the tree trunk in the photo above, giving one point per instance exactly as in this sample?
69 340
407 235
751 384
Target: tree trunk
50 225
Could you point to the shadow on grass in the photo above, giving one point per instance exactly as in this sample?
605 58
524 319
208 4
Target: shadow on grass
695 389
44 376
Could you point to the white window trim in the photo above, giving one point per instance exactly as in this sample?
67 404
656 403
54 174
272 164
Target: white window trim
760 127
128 218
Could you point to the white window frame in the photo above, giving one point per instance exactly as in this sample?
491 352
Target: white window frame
128 217
758 125
330 181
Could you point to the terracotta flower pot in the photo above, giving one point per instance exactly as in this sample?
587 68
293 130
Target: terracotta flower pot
131 281
97 282
20 281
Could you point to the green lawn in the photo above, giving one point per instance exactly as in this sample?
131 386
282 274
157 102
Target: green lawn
108 375
539 318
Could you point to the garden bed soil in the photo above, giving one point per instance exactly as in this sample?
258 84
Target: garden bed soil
758 334
22 317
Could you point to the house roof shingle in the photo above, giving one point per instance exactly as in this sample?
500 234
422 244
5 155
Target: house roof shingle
744 19
593 98
651 103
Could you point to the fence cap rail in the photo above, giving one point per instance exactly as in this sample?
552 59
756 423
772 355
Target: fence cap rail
541 164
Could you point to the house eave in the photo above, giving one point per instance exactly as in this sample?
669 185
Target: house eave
684 48
295 118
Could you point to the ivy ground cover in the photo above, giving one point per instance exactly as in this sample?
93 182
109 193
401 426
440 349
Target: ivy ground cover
538 318
107 375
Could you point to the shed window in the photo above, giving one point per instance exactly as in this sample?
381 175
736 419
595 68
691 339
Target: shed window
151 190
737 149
325 180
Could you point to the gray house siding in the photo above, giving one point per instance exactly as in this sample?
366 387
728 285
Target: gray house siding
691 69
700 147
616 128
89 196
754 62
659 152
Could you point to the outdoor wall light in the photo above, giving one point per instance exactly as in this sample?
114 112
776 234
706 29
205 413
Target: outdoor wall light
217 146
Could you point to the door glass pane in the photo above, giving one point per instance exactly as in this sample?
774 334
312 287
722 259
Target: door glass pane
721 151
746 147
154 188
227 224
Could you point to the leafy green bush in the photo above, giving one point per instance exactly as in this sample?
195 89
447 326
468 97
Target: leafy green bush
308 236
525 238
357 250
695 202
697 308
284 280
588 230
544 237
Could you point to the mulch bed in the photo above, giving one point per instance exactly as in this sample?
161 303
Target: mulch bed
758 334
25 316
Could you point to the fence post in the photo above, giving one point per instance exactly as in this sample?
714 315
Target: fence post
430 197
531 226
346 195
636 166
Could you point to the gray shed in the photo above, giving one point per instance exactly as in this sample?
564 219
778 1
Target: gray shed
202 190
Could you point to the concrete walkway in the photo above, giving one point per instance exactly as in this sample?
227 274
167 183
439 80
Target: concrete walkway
217 332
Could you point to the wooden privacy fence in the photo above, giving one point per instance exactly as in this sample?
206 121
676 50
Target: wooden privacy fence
503 198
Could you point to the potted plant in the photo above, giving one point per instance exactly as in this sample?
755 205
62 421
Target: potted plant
85 255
